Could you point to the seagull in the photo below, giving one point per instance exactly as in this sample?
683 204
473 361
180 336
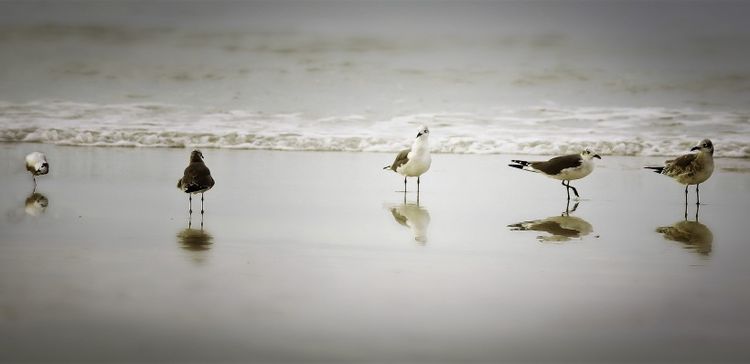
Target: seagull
565 168
691 169
37 165
416 161
196 179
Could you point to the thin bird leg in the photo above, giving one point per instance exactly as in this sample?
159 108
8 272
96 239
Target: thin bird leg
686 209
567 188
686 194
417 185
190 204
697 208
33 177
698 194
404 184
201 203
574 189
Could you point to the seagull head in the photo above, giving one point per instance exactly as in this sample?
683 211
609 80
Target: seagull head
43 167
196 156
588 154
423 130
705 145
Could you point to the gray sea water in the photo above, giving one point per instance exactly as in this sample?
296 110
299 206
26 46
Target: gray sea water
626 78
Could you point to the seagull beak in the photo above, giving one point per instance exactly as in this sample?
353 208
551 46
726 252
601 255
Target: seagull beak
596 156
695 148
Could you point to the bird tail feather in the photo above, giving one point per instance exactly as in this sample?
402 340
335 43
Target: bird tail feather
658 170
523 165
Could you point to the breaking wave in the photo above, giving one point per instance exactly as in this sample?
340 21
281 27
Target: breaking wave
539 131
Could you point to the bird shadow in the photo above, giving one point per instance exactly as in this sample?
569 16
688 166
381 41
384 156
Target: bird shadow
36 204
559 228
195 240
694 235
413 216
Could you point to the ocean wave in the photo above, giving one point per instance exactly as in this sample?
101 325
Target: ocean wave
537 131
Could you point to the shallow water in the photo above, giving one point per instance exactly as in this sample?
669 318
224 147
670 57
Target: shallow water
313 256
489 77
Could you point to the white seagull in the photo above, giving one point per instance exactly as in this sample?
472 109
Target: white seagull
566 168
37 165
416 161
691 169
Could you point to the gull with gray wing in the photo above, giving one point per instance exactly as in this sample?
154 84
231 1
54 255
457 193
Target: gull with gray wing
690 169
37 165
566 168
415 161
196 178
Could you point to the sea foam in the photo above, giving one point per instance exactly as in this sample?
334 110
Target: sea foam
541 131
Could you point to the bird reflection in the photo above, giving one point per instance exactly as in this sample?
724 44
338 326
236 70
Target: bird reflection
36 204
696 236
560 228
195 240
413 216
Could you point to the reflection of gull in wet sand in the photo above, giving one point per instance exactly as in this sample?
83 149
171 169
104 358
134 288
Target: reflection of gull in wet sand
561 228
414 217
693 234
36 204
196 240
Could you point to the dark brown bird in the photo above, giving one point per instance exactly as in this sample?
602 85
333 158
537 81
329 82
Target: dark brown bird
196 179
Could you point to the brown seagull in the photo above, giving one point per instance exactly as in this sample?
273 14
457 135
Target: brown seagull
196 179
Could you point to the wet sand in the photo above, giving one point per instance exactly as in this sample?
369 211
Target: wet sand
316 257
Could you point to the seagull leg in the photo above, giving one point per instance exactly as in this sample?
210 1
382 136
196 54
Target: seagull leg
201 204
698 194
567 188
697 208
686 208
574 190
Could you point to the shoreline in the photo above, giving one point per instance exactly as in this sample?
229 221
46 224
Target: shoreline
303 257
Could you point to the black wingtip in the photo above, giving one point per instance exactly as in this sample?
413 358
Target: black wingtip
658 170
516 166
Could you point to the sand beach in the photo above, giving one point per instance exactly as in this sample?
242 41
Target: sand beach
308 256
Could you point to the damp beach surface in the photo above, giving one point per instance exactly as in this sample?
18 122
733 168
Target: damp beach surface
307 256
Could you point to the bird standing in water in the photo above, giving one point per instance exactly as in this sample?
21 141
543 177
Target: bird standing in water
416 161
566 168
196 179
690 169
37 165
